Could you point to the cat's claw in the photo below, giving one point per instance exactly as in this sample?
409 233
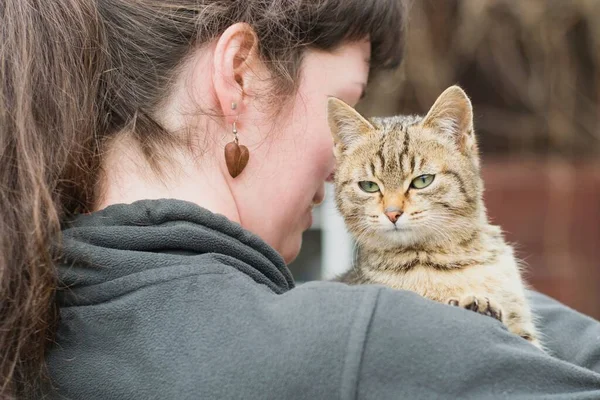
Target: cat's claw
479 304
453 302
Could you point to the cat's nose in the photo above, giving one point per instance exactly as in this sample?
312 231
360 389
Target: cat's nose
393 214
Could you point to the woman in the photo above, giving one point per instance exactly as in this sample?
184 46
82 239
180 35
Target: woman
128 122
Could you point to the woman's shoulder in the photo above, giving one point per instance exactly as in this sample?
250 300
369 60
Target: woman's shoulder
205 330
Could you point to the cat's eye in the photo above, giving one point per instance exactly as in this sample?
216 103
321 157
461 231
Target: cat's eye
422 181
368 186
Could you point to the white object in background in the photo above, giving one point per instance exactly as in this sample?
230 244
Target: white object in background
336 243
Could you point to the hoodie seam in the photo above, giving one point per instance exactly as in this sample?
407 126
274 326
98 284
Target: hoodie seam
359 332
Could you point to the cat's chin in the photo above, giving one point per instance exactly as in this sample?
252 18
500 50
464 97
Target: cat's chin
391 238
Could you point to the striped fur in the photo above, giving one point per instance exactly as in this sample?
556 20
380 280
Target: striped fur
443 246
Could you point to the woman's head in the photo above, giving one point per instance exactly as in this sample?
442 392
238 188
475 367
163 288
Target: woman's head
94 90
277 63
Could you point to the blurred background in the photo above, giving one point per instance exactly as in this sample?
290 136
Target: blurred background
532 70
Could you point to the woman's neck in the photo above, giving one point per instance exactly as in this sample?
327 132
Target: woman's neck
127 177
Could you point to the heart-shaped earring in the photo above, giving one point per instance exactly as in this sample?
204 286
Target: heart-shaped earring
236 155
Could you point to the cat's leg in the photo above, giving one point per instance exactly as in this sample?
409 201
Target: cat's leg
520 321
480 304
517 320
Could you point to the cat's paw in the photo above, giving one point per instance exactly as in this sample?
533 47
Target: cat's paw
479 304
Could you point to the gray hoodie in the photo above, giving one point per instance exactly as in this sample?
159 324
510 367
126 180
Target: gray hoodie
164 300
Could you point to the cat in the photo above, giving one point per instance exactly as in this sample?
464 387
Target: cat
410 192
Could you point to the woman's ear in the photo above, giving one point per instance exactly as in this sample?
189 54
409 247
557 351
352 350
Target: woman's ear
236 63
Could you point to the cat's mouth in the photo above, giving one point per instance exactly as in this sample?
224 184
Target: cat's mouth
398 229
395 229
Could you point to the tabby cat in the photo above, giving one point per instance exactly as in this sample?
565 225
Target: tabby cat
410 191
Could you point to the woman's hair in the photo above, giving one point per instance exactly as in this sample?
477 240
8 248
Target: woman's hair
73 73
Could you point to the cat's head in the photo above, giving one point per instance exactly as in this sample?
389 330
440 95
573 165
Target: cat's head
408 181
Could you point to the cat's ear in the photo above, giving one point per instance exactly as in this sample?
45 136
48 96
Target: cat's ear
452 114
347 126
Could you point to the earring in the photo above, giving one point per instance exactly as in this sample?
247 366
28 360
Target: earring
236 155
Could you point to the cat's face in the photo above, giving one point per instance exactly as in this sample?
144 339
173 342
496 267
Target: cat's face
408 180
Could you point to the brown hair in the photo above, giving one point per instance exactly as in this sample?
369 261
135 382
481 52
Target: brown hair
73 73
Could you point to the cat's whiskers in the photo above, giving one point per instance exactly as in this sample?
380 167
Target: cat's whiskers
448 224
363 233
451 238
440 232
